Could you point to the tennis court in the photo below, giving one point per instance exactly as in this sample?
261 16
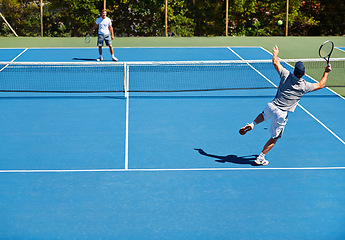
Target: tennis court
164 164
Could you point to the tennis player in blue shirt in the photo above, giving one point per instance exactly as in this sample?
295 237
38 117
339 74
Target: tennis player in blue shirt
291 88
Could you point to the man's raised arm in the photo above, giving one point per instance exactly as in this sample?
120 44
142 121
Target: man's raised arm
275 59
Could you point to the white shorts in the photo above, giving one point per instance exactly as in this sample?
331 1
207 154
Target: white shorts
278 119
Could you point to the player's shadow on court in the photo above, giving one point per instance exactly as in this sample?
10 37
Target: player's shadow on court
85 59
230 158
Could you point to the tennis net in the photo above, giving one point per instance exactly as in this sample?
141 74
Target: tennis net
93 77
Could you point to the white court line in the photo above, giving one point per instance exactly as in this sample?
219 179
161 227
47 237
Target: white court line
170 170
253 68
127 113
19 54
322 124
176 47
305 110
14 59
340 49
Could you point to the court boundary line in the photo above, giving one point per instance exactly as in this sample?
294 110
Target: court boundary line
322 124
304 109
340 48
262 75
45 48
259 168
14 59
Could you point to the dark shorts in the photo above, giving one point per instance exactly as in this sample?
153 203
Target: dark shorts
103 38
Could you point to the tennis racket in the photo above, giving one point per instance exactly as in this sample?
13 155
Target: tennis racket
88 38
326 50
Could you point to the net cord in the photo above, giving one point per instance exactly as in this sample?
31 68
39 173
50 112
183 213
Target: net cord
96 64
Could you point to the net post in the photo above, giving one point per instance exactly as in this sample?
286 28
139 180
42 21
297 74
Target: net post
126 83
126 79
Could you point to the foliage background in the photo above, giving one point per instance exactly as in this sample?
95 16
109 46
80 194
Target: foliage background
187 18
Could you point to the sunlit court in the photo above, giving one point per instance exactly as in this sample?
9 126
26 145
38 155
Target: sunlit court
148 147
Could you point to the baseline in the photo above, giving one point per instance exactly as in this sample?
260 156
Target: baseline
341 48
169 169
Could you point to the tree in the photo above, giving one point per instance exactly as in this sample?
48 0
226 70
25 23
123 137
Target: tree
136 18
180 22
185 17
71 17
331 17
22 15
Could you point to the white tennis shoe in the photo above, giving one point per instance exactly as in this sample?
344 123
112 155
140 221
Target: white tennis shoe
114 58
100 59
261 161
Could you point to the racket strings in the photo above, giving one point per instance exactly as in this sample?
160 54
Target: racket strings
326 49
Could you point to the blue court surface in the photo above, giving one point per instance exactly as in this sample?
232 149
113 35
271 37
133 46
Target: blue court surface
167 165
341 48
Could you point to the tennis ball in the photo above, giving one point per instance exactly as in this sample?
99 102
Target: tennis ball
280 22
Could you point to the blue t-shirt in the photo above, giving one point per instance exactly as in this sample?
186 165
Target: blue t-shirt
290 90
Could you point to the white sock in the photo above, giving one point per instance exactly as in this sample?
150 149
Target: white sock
262 155
254 123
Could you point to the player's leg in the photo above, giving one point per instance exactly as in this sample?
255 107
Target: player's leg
111 50
278 122
112 53
259 119
260 160
100 45
108 42
269 145
100 51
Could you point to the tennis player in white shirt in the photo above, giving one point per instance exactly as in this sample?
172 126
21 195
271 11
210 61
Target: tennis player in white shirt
105 34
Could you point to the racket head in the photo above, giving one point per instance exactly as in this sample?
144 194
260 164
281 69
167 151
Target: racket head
326 50
88 38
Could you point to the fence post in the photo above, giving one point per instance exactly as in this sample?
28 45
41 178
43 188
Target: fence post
166 18
41 18
287 18
226 17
